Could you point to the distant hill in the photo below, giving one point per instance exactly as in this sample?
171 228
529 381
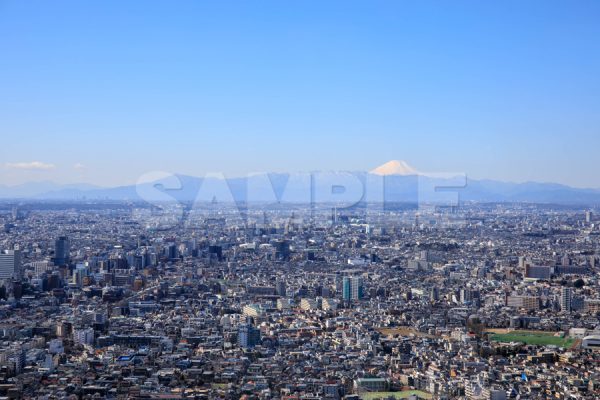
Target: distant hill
296 188
43 188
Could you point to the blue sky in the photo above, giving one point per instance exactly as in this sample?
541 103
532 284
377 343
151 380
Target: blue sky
103 91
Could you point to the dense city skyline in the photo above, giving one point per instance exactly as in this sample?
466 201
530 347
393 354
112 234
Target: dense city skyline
299 200
483 302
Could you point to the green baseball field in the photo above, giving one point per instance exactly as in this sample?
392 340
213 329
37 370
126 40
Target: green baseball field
533 338
395 395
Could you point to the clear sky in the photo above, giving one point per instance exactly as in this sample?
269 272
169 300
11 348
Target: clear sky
103 91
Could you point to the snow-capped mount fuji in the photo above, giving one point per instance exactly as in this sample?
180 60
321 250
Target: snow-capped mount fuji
395 167
402 183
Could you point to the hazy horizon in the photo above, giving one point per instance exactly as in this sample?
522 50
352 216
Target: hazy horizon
87 185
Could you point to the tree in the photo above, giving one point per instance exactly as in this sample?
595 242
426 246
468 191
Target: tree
579 283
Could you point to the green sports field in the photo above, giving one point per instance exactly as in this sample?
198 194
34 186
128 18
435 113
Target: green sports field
533 338
396 395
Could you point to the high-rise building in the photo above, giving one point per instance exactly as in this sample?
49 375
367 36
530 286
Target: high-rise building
282 250
346 288
465 295
280 288
566 299
588 217
83 336
62 250
171 251
16 355
215 252
10 264
352 288
41 267
248 336
537 271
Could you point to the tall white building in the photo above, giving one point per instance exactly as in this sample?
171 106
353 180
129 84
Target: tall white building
566 298
10 264
41 267
84 336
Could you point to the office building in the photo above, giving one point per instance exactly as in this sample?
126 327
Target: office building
248 336
526 302
62 250
566 298
537 272
352 288
280 288
83 336
10 264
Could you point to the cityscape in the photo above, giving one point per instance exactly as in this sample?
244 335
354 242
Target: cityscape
304 304
299 200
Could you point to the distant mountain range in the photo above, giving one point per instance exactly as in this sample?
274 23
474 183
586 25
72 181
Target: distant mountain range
402 184
41 189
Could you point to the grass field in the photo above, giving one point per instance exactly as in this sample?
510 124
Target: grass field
396 395
534 338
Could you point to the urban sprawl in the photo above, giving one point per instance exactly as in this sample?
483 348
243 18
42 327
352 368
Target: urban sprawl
483 301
